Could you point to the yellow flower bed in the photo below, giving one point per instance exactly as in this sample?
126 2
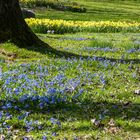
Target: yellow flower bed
63 26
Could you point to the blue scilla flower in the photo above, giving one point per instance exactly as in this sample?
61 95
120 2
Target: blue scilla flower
54 134
24 98
26 114
55 121
16 91
44 137
25 138
17 108
46 100
41 105
51 91
133 50
105 64
0 73
102 80
72 84
8 116
34 98
20 117
28 123
8 90
78 94
39 127
53 100
4 124
7 82
22 76
134 75
106 49
59 78
8 126
1 114
43 99
7 106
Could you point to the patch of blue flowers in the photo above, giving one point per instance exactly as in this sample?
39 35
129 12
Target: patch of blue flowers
28 124
32 85
37 86
104 49
133 50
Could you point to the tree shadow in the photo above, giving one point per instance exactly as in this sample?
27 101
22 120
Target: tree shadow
46 49
84 111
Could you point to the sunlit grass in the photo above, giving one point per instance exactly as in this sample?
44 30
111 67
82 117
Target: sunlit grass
98 11
108 88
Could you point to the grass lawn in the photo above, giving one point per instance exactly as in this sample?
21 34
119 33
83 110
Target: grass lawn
91 97
98 10
98 96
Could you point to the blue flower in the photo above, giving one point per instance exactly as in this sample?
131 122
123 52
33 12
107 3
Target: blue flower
78 94
7 106
55 121
54 134
44 137
1 114
25 138
51 90
102 79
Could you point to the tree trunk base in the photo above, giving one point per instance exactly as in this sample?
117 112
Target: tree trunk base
13 26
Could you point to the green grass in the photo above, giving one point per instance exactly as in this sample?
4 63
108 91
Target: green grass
117 44
97 11
114 100
108 87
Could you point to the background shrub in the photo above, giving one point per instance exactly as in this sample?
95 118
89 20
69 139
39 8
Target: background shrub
64 6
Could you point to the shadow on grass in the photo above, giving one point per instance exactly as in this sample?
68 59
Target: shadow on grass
63 54
84 111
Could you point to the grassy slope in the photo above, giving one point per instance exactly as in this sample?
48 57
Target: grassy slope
116 98
98 10
85 43
116 101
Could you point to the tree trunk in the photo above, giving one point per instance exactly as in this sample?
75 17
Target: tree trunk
13 27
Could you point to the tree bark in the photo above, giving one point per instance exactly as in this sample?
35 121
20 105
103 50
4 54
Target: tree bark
13 26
